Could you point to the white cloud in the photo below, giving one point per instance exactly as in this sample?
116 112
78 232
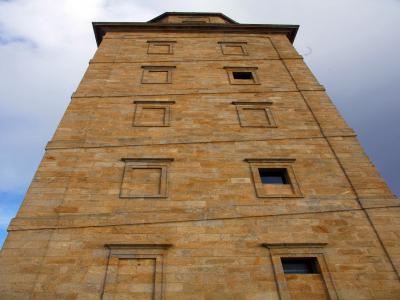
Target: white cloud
45 46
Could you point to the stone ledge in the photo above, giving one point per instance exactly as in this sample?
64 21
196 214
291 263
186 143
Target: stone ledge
60 144
293 245
120 61
200 91
333 132
379 203
138 246
157 217
308 88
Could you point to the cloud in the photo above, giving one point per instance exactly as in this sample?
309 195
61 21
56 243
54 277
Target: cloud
45 47
4 40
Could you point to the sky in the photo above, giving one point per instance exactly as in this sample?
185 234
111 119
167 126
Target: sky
352 46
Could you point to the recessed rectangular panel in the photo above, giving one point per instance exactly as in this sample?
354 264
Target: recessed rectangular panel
255 117
155 48
139 182
157 74
135 279
152 116
153 76
233 50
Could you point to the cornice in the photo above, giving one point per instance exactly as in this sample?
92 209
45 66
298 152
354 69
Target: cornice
101 28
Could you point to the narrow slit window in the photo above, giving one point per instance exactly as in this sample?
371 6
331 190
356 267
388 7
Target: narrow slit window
242 75
273 176
300 265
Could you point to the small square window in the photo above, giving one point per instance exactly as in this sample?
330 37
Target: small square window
233 48
273 176
157 74
160 47
255 114
300 265
242 75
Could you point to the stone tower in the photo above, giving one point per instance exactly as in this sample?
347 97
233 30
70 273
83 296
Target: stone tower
200 159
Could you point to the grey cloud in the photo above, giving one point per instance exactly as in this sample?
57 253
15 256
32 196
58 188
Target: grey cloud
4 40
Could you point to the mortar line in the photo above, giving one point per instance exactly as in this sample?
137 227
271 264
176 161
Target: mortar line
208 219
196 93
194 142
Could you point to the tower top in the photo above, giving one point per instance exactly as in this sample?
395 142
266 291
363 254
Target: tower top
193 18
193 22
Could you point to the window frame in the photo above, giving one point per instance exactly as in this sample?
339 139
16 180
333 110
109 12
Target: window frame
137 251
233 81
243 45
241 106
287 250
153 43
147 69
262 189
146 163
143 104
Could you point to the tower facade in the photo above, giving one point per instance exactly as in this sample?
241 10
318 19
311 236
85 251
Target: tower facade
200 159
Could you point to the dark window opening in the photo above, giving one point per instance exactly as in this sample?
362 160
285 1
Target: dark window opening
243 75
300 265
273 176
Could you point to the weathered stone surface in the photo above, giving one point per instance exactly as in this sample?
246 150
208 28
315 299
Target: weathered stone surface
200 231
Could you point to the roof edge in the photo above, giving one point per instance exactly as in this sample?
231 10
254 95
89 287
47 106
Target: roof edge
100 28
